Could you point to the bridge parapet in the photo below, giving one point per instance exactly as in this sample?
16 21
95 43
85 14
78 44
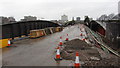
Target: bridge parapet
23 28
103 24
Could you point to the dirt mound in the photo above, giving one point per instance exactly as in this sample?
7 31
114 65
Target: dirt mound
85 50
76 44
87 54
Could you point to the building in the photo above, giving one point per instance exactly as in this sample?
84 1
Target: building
64 18
29 18
11 19
119 7
78 19
55 21
6 20
73 19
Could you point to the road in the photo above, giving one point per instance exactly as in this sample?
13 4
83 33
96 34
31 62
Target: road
38 52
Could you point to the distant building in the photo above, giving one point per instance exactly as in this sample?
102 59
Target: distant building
90 19
22 20
119 7
73 19
6 20
64 18
55 21
29 18
78 19
11 19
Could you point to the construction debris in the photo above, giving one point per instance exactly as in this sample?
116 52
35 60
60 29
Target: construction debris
82 47
88 54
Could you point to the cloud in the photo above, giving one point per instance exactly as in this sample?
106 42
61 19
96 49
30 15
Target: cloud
53 9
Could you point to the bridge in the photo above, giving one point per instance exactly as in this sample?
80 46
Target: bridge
110 29
42 51
18 29
103 24
98 26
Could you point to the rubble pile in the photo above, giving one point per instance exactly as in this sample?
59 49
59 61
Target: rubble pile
87 53
85 50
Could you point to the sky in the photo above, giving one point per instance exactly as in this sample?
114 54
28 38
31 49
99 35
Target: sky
53 9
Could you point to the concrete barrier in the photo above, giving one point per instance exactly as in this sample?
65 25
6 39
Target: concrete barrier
44 32
47 31
54 29
58 29
37 33
51 30
3 43
34 33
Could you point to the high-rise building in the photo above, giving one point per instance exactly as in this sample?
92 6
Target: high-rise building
78 19
119 7
64 18
72 18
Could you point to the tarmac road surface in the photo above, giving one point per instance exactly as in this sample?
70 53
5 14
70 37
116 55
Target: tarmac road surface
38 52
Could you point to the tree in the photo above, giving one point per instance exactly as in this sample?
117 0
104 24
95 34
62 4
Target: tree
87 21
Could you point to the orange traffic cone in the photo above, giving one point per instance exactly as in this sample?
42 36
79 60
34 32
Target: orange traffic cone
9 43
60 41
58 57
80 34
77 63
67 38
83 39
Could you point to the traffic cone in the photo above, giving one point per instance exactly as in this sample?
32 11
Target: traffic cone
67 38
9 43
83 39
58 57
77 62
80 34
60 43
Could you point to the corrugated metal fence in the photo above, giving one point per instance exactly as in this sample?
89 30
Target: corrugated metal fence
23 28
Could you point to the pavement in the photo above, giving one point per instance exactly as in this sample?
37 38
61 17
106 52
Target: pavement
38 52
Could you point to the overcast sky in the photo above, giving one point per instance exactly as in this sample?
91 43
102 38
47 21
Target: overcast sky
53 9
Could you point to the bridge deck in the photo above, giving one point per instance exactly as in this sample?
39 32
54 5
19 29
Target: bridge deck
36 52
